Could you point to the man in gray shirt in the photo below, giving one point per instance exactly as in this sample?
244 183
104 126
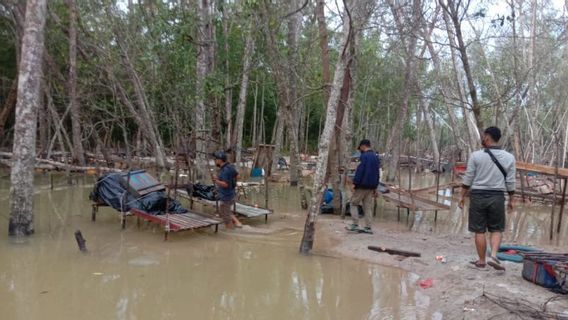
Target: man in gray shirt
490 172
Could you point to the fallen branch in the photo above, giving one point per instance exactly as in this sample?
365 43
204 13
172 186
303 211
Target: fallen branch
54 165
394 251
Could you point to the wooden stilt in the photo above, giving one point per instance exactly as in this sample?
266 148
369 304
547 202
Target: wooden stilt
95 208
554 200
522 177
266 188
562 204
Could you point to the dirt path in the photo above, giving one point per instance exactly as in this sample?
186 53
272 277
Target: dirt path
457 289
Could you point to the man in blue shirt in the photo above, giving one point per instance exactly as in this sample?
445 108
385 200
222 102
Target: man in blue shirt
365 183
226 183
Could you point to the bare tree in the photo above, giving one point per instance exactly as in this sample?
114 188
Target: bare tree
249 50
355 13
452 8
202 71
29 91
408 40
78 152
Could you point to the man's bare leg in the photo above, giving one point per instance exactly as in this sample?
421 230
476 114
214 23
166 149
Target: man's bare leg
495 241
481 246
236 221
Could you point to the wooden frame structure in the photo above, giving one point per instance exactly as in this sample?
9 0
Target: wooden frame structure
239 209
171 222
558 174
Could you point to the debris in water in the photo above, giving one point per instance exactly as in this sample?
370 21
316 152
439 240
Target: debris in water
80 241
394 251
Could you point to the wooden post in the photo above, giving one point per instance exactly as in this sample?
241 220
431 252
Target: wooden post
125 197
562 206
265 189
522 177
438 169
553 200
94 212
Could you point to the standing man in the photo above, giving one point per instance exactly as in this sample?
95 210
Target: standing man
226 182
365 183
490 172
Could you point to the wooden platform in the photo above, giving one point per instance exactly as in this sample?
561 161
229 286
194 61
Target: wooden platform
240 209
412 201
179 222
171 223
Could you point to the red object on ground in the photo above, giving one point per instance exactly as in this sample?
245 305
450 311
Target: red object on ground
511 252
460 167
425 284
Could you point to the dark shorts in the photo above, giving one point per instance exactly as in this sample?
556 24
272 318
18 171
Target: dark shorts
487 213
226 210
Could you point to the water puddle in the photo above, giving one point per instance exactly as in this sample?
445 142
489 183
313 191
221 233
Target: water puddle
134 274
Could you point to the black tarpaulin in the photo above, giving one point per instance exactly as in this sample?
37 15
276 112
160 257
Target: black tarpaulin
110 191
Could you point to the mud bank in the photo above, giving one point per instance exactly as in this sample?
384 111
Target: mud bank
457 290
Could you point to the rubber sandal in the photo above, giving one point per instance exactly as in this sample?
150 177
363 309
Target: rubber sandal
495 264
352 227
477 265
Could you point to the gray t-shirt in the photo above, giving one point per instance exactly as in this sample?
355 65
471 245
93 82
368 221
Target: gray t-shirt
483 174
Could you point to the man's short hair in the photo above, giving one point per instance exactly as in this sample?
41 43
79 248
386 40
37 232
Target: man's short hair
494 133
220 155
365 142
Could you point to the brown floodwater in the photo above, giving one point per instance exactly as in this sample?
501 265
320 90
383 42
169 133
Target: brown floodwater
527 224
134 274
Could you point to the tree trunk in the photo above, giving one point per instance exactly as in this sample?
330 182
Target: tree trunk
409 42
78 152
322 31
444 89
228 89
294 25
326 136
328 131
473 138
453 10
29 91
145 112
254 115
249 51
202 71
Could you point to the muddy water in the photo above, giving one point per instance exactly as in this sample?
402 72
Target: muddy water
527 224
133 274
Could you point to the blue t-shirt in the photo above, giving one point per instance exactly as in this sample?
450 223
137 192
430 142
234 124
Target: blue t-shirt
228 174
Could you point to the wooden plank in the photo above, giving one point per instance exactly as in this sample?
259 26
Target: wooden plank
542 169
178 222
240 208
405 200
394 251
